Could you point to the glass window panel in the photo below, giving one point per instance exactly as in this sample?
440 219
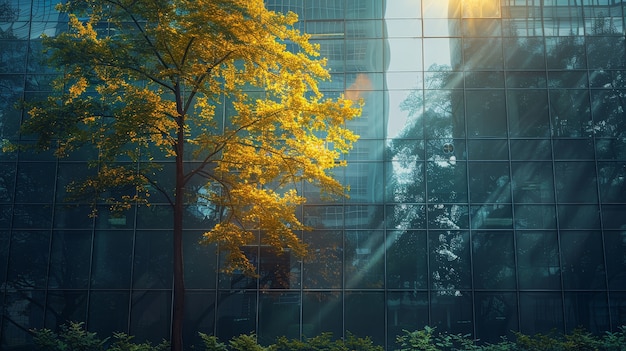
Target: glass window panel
237 279
404 80
617 304
486 113
406 260
528 114
446 181
322 9
484 79
542 312
615 246
28 259
236 314
442 216
576 182
612 181
406 310
442 78
570 149
5 216
199 314
441 9
364 29
582 260
441 151
443 28
449 259
5 239
398 28
279 315
363 216
405 216
451 311
532 182
613 216
68 173
404 182
610 149
538 260
404 152
403 9
489 182
491 216
7 181
567 79
608 109
108 312
481 27
588 309
155 217
404 54
526 79
21 314
365 315
322 312
496 316
602 51
63 306
152 260
535 217
111 265
11 118
531 149
334 50
278 270
443 114
12 55
150 315
364 9
69 261
371 124
607 78
200 261
493 258
35 182
324 217
491 149
32 216
565 52
365 182
524 53
437 57
364 55
483 53
322 268
108 219
73 216
364 259
579 217
522 27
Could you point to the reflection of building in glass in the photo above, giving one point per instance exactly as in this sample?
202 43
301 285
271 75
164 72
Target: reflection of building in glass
487 189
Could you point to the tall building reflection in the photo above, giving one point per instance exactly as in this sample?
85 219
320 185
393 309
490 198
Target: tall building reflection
486 190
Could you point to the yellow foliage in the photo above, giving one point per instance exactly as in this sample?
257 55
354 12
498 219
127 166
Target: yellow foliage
229 79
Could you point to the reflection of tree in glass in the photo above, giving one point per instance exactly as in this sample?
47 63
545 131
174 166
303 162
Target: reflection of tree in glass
438 109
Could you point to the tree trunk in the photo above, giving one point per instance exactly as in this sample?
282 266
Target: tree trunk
179 280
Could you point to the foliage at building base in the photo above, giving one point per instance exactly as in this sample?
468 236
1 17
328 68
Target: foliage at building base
73 337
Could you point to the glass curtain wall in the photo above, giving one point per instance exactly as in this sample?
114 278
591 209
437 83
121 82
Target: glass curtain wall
487 188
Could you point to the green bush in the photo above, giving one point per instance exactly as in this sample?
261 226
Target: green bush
73 337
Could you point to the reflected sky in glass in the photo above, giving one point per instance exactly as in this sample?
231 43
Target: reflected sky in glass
406 56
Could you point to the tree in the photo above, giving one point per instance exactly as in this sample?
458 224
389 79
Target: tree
226 84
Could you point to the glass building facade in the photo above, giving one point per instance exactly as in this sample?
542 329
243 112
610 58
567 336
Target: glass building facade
488 190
